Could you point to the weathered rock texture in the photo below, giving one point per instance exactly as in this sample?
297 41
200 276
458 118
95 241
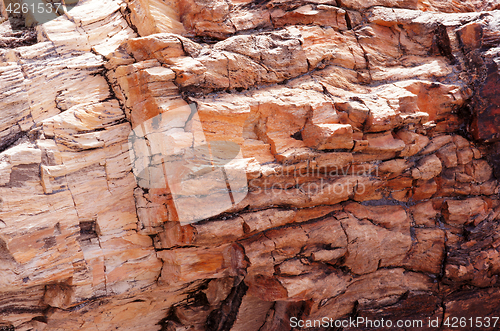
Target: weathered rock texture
370 138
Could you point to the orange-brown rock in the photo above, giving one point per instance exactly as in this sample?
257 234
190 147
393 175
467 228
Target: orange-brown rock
234 165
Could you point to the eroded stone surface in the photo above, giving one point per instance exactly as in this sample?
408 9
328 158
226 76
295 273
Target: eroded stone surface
365 195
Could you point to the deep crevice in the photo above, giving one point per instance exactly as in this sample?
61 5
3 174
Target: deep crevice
222 319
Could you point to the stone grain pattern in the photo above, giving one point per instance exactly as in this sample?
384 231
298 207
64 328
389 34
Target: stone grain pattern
370 136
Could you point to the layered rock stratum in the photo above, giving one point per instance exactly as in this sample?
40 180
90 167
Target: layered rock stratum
367 134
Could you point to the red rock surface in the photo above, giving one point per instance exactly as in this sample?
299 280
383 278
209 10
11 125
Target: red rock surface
338 159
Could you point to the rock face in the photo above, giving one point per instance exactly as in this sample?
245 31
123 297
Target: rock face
239 165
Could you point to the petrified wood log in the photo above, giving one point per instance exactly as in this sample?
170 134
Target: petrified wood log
251 165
